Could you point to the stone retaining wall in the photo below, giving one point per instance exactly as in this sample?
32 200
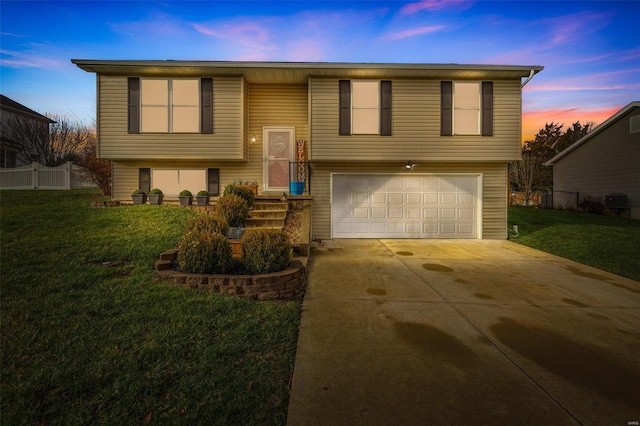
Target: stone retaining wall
285 284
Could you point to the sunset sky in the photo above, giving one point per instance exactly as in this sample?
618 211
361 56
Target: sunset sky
590 50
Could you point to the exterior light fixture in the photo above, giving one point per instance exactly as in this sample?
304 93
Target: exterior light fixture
410 165
253 139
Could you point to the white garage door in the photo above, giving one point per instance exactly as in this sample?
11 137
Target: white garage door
404 206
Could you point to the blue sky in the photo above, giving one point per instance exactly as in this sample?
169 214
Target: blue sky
590 49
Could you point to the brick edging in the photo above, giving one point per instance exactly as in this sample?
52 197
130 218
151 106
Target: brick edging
285 284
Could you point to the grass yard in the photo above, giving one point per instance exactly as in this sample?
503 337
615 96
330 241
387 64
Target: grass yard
604 242
88 337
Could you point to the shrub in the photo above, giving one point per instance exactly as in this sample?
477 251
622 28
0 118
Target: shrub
233 208
203 193
155 191
265 250
242 191
186 193
138 192
591 204
208 223
204 253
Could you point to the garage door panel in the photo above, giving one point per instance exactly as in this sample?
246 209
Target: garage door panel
379 213
414 198
396 213
411 206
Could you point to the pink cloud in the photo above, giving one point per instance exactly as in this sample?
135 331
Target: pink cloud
533 121
433 5
412 32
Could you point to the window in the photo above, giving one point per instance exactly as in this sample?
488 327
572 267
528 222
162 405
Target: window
170 105
634 124
466 108
172 181
365 107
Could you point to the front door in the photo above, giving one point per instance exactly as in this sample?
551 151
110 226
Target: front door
278 151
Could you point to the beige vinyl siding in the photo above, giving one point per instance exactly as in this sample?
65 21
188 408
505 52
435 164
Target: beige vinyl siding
416 127
494 190
607 163
266 106
226 143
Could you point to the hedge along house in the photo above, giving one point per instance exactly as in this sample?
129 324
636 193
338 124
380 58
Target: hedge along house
394 150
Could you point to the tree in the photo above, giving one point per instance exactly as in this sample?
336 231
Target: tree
99 170
530 174
51 146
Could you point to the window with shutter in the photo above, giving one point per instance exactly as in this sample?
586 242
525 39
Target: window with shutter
365 107
157 105
466 108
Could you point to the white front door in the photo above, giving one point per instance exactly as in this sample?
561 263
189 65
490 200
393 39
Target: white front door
278 151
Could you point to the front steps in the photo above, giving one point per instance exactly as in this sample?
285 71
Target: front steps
267 213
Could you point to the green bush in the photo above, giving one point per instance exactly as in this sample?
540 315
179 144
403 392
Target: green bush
233 208
155 191
242 191
265 250
208 223
203 193
185 193
138 192
204 253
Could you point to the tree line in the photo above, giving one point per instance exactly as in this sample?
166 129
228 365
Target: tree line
65 140
530 174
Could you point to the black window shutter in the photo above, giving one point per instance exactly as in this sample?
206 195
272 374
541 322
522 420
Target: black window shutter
385 108
487 108
144 179
206 105
345 107
446 111
213 182
134 105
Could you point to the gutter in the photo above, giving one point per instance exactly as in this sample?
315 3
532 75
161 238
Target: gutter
531 74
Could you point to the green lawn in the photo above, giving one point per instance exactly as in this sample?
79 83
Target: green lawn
605 242
88 336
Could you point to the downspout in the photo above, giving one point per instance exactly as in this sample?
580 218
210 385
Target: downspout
531 74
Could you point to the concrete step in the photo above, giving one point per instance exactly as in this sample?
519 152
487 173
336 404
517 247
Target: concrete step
262 222
270 205
275 214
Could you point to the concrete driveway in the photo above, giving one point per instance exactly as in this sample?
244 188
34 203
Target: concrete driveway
419 332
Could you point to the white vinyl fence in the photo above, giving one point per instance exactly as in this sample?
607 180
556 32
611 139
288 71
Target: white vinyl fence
37 176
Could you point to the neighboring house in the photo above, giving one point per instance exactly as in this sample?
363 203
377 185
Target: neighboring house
11 155
603 162
394 150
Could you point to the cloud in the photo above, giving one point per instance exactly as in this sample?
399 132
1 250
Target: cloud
624 79
412 32
242 31
533 121
435 5
31 59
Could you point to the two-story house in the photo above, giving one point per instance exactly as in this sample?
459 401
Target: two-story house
394 150
19 126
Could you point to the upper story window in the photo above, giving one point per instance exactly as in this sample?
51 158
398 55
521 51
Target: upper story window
634 124
170 105
466 108
365 107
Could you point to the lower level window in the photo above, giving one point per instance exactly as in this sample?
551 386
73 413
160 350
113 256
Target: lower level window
173 181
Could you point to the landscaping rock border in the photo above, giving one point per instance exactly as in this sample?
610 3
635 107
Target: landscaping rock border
286 284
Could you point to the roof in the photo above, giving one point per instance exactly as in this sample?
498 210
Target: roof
300 72
13 106
599 129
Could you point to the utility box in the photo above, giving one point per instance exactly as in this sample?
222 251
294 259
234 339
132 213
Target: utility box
546 201
615 200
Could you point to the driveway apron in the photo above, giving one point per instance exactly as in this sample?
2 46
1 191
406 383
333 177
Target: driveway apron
418 332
